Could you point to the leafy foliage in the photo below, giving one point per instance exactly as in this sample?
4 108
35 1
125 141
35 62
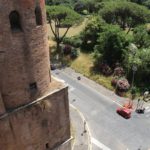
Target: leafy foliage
60 2
105 69
147 3
74 41
67 49
141 36
119 71
90 34
125 14
122 85
142 61
111 45
61 16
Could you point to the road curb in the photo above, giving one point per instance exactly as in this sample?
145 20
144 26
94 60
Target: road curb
87 127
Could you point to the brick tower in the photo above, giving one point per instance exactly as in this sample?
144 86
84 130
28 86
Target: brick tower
34 111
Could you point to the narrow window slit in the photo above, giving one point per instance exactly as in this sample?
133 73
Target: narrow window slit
14 19
38 16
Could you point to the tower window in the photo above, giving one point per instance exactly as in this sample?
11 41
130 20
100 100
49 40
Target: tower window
33 86
47 145
38 15
14 19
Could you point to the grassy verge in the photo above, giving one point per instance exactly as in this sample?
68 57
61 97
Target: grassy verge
83 64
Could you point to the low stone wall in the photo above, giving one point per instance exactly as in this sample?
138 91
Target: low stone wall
40 125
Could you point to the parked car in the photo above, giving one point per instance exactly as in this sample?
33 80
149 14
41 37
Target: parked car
53 67
124 112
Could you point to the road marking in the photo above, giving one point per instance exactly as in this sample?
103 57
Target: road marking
147 110
99 144
101 94
147 116
87 127
117 103
147 107
71 88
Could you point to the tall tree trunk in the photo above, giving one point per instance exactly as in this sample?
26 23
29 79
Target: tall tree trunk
59 51
128 30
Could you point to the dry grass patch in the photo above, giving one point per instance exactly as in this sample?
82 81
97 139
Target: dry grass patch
75 30
84 64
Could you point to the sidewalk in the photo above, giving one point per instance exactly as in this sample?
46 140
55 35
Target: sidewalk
80 131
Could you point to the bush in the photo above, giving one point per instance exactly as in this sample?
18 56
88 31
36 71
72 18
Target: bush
123 85
105 69
90 34
119 71
74 41
142 61
85 12
125 14
67 49
114 81
74 53
111 45
141 36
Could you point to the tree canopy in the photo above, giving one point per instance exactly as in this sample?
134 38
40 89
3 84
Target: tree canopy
141 35
61 16
142 61
111 45
125 14
90 34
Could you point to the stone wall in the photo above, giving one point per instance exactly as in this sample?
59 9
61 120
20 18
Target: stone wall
2 108
37 126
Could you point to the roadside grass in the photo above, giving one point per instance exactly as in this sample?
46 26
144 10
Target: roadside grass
148 25
84 64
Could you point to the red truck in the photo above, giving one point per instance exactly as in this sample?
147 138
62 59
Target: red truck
124 112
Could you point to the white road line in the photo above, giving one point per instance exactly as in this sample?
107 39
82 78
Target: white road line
101 94
147 107
147 110
87 127
99 144
71 88
147 116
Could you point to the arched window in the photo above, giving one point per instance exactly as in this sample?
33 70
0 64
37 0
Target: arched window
38 15
14 18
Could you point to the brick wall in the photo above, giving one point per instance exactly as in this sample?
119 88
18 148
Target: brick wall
25 56
34 126
29 119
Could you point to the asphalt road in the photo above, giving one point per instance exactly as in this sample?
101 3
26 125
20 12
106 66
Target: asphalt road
109 131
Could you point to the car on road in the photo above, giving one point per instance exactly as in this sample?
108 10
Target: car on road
124 112
53 67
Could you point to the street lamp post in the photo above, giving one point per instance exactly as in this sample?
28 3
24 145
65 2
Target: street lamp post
134 69
133 49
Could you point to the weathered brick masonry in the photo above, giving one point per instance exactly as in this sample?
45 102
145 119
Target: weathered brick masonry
34 114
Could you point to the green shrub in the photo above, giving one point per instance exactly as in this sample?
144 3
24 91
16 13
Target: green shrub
90 34
74 41
111 45
141 36
74 53
122 85
85 12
